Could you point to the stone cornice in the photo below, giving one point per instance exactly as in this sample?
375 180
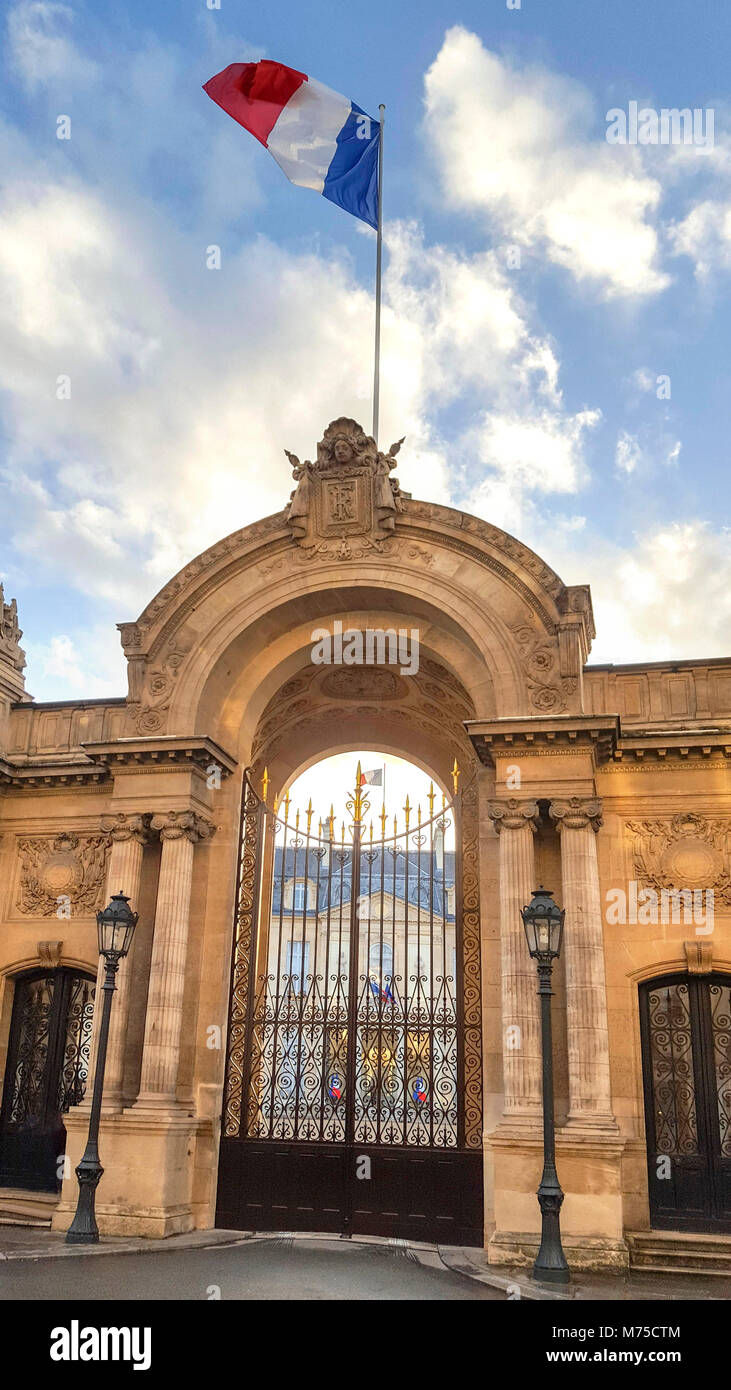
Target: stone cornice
160 752
542 734
51 774
675 745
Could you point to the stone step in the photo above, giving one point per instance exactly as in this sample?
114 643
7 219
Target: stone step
19 1207
680 1252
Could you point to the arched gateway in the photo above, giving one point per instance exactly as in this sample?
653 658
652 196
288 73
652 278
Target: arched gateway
221 1096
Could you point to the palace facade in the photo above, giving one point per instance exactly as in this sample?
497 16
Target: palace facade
282 1019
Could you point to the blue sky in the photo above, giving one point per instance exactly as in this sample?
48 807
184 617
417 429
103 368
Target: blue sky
528 394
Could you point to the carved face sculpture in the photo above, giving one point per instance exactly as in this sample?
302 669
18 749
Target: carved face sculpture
342 450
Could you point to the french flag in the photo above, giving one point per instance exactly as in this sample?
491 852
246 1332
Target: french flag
319 138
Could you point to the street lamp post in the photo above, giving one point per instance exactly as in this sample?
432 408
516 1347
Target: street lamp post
543 922
116 925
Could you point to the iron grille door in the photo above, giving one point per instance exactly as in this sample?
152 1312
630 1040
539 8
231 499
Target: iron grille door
352 1097
686 1053
46 1073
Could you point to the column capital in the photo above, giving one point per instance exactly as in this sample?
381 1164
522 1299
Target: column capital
122 827
576 813
179 825
513 814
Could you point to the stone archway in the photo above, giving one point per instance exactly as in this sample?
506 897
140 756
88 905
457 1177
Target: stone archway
218 663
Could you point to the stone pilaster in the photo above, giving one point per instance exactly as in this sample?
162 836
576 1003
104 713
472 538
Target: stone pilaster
516 823
578 820
128 835
179 831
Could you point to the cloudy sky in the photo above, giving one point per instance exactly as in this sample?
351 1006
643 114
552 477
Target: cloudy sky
529 393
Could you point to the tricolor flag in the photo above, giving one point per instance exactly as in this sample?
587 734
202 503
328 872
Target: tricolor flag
320 139
372 779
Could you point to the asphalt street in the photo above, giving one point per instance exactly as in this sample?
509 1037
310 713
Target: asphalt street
270 1269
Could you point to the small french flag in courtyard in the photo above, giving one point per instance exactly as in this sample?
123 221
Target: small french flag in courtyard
320 139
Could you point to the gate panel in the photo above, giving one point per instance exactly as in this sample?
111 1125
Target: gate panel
353 1096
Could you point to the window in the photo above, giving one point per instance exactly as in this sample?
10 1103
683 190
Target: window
380 961
297 965
298 897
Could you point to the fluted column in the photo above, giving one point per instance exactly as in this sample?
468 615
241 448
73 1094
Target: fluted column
590 1102
128 834
516 823
179 832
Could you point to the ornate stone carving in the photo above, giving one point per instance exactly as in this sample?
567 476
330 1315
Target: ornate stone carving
347 493
150 713
362 683
576 812
121 827
49 954
699 957
687 851
10 633
513 814
539 662
66 866
178 825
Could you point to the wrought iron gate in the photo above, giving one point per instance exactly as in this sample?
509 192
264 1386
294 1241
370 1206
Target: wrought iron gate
686 1055
352 1099
46 1073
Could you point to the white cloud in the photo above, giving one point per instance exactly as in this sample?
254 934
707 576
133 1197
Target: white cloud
40 48
514 143
628 453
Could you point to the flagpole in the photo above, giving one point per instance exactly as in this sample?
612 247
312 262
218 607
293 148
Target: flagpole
379 247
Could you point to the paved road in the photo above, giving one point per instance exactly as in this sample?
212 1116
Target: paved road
266 1269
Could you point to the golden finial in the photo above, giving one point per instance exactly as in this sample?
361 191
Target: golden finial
358 804
395 828
382 819
407 812
286 805
297 821
418 814
265 784
276 803
430 798
331 819
342 832
309 813
455 775
370 831
444 802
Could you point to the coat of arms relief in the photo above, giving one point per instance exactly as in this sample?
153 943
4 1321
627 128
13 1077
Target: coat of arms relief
345 503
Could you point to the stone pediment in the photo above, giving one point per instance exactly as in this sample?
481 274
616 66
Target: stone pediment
346 502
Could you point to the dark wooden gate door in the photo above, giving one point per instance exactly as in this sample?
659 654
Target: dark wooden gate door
46 1072
353 1087
686 1047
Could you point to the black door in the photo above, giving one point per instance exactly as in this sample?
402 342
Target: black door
46 1072
352 1097
686 1054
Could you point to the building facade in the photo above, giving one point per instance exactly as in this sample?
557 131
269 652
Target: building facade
610 785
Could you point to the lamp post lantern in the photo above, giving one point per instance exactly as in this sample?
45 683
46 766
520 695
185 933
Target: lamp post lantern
115 925
543 921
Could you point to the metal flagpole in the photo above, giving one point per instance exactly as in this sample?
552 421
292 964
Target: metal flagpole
379 245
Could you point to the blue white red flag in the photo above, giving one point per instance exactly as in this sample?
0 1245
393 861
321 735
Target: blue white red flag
320 139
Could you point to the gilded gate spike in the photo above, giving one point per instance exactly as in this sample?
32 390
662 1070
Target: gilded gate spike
455 775
395 828
331 819
276 803
297 819
382 819
358 804
430 798
286 805
265 784
407 810
309 813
